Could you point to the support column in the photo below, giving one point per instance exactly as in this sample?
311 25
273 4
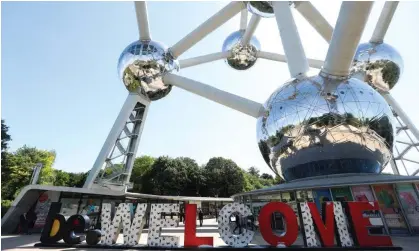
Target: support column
111 141
350 25
294 51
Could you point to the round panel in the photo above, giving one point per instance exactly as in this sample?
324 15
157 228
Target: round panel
242 57
380 65
141 66
320 126
260 8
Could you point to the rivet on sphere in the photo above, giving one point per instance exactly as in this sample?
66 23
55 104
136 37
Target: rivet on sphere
242 57
141 67
261 8
380 65
321 126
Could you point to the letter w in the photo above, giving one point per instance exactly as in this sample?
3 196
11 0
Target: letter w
122 219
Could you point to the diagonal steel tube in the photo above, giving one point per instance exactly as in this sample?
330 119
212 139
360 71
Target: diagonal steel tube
351 22
243 19
315 18
251 28
207 27
142 20
314 63
235 102
384 22
184 63
294 51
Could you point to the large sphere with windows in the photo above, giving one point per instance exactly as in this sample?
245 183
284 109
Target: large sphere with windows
261 8
378 64
141 67
319 126
241 57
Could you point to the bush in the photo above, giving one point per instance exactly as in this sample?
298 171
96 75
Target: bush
5 205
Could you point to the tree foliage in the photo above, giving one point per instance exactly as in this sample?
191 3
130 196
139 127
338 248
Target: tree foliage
166 176
5 137
141 166
20 164
224 177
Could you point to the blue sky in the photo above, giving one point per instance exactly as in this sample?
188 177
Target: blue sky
60 88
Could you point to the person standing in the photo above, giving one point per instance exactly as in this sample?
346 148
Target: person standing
31 219
24 224
238 224
183 216
201 217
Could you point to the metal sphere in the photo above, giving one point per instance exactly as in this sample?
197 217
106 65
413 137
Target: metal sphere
380 65
242 57
141 67
319 126
261 8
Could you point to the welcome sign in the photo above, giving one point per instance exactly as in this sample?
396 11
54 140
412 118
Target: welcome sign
351 230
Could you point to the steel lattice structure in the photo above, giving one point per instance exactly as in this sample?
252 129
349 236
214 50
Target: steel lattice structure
150 77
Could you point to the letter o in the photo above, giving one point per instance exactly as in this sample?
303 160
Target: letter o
290 219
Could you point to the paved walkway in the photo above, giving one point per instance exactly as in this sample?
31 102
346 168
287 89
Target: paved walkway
26 242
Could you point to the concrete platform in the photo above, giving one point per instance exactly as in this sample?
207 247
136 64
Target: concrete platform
27 242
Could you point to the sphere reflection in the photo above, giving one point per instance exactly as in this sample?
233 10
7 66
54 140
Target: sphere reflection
319 126
141 66
380 65
260 8
242 57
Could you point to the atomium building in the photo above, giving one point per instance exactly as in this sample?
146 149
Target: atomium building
329 136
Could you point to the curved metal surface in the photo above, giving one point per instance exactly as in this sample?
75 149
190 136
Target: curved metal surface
141 66
242 57
378 64
261 8
320 126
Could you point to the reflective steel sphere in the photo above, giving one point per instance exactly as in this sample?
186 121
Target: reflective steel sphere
261 8
242 57
380 65
319 126
141 66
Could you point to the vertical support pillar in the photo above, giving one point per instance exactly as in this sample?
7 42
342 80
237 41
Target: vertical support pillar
349 27
294 51
135 141
394 167
113 135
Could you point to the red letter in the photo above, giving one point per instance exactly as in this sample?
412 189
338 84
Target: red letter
191 240
325 230
360 224
289 217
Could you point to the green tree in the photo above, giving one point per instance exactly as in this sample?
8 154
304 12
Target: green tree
224 177
20 168
167 176
5 156
253 182
77 179
5 137
267 176
62 178
254 171
196 179
141 166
